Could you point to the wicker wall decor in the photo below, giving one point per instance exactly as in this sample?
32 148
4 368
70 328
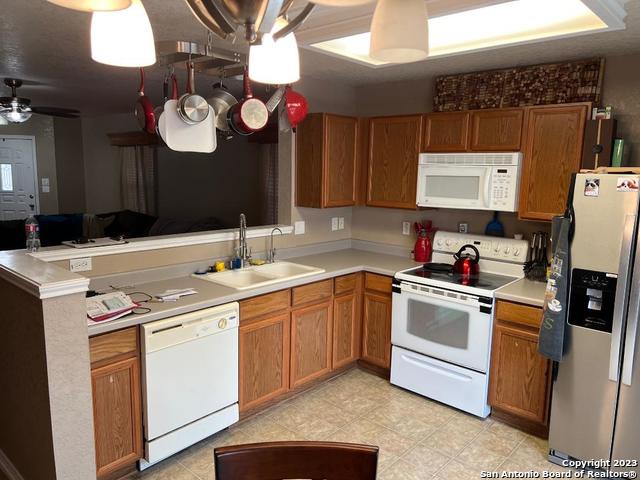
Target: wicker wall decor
564 82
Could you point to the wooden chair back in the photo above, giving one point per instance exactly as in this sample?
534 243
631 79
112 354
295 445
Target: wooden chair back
296 460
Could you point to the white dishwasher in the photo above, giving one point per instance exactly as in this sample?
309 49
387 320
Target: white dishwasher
190 379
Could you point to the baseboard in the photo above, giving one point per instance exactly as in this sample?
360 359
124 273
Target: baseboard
528 426
8 469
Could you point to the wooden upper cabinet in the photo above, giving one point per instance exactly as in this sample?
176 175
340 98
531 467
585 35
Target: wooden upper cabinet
446 132
394 146
264 360
496 130
326 150
311 341
552 152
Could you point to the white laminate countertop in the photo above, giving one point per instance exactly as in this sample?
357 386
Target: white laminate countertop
340 262
524 291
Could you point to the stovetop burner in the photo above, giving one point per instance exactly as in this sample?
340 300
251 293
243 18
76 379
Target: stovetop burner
486 281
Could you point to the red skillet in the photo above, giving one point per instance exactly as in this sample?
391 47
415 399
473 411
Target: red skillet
144 109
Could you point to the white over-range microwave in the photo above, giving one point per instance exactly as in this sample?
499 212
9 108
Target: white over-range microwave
473 181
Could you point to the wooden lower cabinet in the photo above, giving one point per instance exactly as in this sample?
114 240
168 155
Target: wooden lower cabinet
520 378
116 414
376 329
311 341
264 360
346 329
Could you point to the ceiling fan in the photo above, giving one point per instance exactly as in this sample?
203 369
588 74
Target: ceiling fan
16 109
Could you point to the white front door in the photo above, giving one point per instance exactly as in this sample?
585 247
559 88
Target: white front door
18 182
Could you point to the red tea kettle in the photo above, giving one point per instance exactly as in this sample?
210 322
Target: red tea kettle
465 264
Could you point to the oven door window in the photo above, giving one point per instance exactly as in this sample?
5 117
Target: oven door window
442 325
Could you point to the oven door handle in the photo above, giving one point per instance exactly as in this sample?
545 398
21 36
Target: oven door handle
471 300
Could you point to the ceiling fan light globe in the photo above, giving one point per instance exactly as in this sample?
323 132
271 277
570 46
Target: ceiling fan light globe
123 38
93 5
399 31
15 114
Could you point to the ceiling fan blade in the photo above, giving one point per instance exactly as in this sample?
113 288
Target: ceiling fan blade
56 112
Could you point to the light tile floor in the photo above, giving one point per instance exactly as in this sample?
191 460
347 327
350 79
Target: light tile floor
418 438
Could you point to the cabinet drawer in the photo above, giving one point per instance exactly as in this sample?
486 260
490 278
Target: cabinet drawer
379 283
520 314
264 304
114 344
346 284
313 292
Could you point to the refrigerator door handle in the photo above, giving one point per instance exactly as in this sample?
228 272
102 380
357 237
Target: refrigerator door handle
632 322
622 288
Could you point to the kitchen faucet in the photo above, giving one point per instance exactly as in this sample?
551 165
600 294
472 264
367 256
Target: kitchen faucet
271 253
243 251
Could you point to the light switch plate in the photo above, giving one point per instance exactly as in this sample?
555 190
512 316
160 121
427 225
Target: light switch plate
80 264
45 180
299 227
406 228
340 223
334 224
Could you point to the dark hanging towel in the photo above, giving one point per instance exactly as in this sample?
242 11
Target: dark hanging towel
554 319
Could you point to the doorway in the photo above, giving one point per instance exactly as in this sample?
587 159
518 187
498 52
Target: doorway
18 178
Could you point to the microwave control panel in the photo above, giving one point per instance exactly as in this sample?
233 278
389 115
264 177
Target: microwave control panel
504 188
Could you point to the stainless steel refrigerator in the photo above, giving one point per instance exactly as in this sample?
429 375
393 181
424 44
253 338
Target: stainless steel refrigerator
595 409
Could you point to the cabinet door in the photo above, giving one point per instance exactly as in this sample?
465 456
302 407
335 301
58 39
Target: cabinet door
552 152
310 343
446 132
346 331
341 142
376 329
264 360
519 377
116 413
497 130
394 146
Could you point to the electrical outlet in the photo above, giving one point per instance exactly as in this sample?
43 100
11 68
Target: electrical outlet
463 227
299 227
406 228
80 264
334 224
340 223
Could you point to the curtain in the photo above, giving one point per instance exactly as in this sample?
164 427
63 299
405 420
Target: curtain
138 178
269 183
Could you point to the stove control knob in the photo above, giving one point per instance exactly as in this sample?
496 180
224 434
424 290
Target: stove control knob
506 250
448 242
496 247
439 242
516 252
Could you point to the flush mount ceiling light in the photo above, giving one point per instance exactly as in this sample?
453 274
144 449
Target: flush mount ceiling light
15 114
93 5
123 38
507 23
399 31
275 62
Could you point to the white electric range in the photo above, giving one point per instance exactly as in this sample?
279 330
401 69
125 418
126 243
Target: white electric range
442 322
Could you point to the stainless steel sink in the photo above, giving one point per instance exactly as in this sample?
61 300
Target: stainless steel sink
258 276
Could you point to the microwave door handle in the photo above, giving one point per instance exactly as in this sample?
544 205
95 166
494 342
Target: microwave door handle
621 302
487 189
631 336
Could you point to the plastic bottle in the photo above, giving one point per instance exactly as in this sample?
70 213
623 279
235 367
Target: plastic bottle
32 233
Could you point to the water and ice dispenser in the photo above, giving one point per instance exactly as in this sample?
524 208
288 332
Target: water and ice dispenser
592 299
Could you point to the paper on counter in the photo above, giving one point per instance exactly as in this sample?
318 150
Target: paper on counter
175 294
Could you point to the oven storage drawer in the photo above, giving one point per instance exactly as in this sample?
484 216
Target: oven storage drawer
441 381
